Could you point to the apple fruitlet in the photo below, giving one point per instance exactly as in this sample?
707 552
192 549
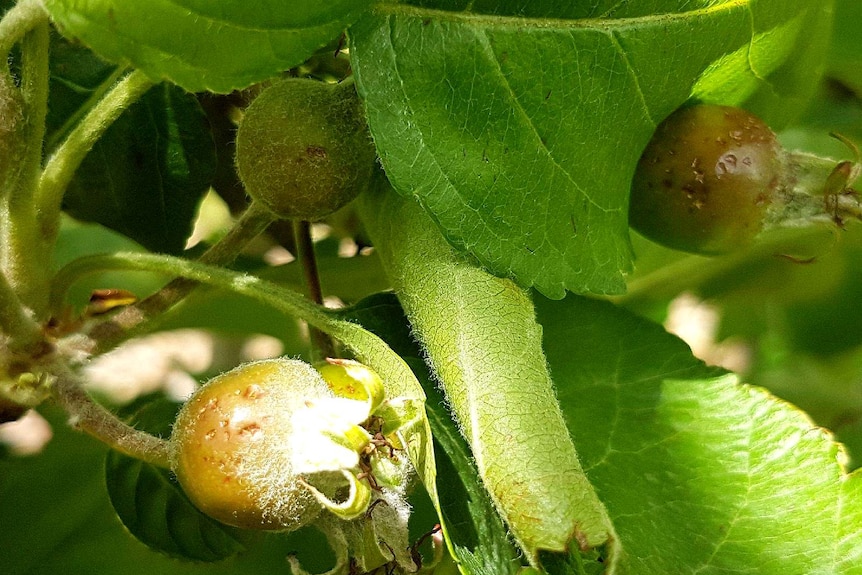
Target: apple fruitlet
231 445
303 148
706 180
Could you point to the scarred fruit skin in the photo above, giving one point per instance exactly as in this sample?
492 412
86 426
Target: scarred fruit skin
303 148
231 445
706 180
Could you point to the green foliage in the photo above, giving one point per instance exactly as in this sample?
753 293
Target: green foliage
728 475
562 433
201 45
495 379
145 177
552 110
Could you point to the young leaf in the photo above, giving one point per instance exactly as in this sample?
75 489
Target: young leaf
154 508
203 45
519 135
481 338
145 176
699 472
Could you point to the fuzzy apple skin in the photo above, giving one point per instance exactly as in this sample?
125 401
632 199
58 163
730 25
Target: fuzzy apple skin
706 180
303 148
231 443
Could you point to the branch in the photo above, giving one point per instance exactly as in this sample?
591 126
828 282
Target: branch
132 319
87 415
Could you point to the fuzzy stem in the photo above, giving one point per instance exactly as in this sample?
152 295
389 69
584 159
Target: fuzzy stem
322 345
58 135
17 21
67 158
371 350
132 319
87 415
25 248
692 271
23 331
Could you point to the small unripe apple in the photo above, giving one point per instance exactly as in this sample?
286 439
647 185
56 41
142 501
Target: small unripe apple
232 442
706 180
303 148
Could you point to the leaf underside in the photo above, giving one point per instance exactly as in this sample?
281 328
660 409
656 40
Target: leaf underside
203 45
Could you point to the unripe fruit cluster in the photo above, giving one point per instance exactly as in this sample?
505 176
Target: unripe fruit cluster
303 149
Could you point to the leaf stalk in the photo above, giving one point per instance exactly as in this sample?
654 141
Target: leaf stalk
133 319
67 158
18 21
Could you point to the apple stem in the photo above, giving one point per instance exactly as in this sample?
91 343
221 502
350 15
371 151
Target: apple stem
819 189
131 320
90 417
322 344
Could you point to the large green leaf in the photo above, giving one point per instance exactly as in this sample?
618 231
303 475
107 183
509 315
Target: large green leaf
145 176
518 125
845 54
203 44
699 472
480 336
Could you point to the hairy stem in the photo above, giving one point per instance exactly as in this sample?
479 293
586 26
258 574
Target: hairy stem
23 331
74 119
322 344
87 415
371 350
25 249
20 19
690 272
131 320
67 158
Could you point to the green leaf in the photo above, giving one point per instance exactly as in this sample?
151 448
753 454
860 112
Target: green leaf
473 528
484 346
519 135
699 472
845 53
154 508
203 45
77 77
145 176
